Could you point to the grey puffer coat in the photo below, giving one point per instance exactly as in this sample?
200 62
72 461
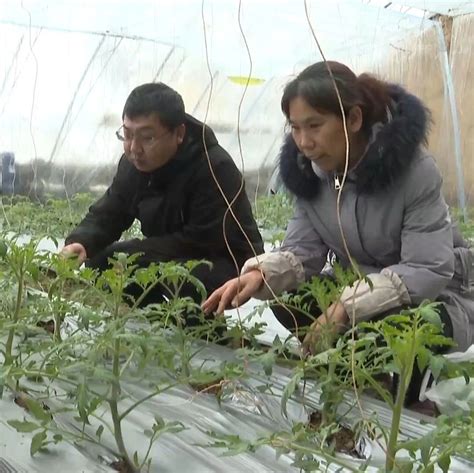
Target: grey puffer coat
395 220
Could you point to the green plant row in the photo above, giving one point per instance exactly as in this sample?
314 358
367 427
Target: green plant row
53 368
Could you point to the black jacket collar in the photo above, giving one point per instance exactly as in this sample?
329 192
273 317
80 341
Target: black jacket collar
188 152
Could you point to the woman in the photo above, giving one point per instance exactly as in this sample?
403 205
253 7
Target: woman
395 219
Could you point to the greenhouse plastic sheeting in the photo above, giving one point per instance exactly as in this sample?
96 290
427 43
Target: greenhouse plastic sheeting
242 413
15 448
438 6
68 66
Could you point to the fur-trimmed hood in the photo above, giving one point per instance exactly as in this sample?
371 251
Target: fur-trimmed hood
387 157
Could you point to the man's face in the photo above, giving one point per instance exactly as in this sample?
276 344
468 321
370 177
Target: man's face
147 143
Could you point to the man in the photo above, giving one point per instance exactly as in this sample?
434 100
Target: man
164 180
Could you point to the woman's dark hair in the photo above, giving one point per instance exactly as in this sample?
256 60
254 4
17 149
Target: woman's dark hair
156 98
315 86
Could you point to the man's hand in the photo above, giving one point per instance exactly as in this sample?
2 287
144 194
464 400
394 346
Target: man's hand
75 250
325 328
234 293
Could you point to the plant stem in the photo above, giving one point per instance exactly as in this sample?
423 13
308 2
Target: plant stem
58 316
396 415
147 454
140 299
113 403
184 350
16 315
116 372
185 358
405 377
328 411
142 400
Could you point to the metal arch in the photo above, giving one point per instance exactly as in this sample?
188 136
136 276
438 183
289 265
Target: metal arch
449 86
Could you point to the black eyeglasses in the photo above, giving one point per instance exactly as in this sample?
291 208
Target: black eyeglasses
147 141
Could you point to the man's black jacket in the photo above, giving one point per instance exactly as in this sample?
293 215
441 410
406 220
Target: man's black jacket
179 206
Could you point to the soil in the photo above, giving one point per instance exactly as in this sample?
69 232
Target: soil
48 325
211 387
427 408
385 381
234 343
121 466
344 440
237 343
21 399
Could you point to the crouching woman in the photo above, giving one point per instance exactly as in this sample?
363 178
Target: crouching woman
396 222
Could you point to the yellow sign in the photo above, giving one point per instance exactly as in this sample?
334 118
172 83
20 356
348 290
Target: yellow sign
242 80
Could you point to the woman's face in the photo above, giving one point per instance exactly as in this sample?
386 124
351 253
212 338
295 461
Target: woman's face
320 136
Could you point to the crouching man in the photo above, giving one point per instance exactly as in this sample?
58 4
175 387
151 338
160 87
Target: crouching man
166 179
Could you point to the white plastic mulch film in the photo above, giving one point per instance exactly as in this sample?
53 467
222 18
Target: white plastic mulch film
67 67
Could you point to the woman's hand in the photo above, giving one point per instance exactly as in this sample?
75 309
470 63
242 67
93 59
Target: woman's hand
325 327
234 293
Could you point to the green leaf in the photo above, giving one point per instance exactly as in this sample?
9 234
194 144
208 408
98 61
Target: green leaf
425 452
307 464
430 314
37 442
268 360
391 367
288 392
171 427
3 249
405 467
34 271
159 422
37 410
24 426
423 357
82 402
135 459
444 462
276 341
436 365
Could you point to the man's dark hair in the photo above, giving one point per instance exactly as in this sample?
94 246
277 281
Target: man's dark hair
156 98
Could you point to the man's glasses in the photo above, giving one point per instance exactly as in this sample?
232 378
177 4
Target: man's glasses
147 141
